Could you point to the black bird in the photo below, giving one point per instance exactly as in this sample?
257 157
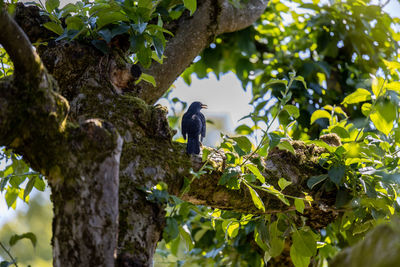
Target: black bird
193 125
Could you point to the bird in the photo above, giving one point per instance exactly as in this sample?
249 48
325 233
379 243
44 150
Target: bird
193 126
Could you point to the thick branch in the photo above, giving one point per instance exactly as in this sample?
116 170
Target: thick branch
17 45
195 33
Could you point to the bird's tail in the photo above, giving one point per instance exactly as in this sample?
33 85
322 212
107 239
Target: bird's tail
193 146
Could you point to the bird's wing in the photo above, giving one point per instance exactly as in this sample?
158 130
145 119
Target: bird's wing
203 125
184 126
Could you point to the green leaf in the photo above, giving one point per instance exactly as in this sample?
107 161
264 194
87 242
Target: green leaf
277 245
304 243
292 110
233 229
366 109
299 204
191 5
336 173
29 186
15 238
39 184
301 79
51 5
54 27
158 46
5 263
283 183
74 23
383 116
243 142
274 82
314 180
230 179
319 114
109 17
286 145
148 78
274 140
297 259
206 152
378 87
171 229
186 238
358 96
394 86
256 198
256 172
342 132
11 197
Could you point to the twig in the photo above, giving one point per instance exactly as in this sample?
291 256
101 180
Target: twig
9 254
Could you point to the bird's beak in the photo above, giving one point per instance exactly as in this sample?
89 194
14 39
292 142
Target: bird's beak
203 106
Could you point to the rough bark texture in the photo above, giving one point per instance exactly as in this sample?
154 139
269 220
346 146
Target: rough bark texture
83 123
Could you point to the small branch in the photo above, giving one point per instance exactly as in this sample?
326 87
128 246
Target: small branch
9 254
18 46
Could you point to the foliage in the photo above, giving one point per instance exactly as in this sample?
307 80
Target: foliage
108 24
334 46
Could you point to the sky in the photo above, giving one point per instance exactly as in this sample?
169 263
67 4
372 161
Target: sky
225 99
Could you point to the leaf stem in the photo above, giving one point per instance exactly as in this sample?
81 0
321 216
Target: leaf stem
9 254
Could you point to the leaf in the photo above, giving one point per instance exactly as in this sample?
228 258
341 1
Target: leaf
148 78
378 87
5 263
301 79
233 229
29 187
299 204
297 259
105 34
366 109
74 23
54 27
277 245
336 173
256 199
319 114
394 86
292 110
274 82
304 243
191 5
230 179
256 172
108 17
39 184
274 140
283 183
186 238
11 197
15 238
171 229
360 95
383 116
243 142
342 132
286 145
51 5
158 46
314 180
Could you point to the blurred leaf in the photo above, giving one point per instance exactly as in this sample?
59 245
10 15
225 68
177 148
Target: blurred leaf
191 5
304 243
298 259
319 114
283 183
243 142
286 145
51 5
340 131
360 95
186 237
336 173
15 238
314 180
292 110
299 204
394 86
54 27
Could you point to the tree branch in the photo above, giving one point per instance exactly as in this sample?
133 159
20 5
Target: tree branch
18 46
195 33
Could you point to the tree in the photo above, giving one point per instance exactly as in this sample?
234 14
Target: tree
79 109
